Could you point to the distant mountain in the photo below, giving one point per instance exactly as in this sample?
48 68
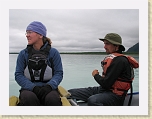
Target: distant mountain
134 48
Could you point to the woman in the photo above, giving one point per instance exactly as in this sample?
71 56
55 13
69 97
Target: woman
38 69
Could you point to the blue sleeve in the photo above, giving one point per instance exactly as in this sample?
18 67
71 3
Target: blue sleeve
19 73
57 67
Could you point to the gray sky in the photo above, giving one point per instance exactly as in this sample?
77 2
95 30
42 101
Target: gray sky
75 30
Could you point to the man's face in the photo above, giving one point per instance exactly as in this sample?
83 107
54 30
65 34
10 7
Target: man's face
109 47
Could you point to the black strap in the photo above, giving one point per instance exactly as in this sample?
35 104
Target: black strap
52 66
130 99
29 49
46 50
31 73
42 72
125 80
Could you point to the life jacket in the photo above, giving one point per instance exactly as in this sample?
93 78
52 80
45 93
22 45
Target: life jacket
121 85
37 68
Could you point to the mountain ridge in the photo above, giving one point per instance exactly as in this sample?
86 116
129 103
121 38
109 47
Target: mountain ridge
134 48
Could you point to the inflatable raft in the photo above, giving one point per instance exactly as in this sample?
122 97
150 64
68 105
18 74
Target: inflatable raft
66 101
134 101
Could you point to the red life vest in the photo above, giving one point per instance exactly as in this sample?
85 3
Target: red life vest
120 84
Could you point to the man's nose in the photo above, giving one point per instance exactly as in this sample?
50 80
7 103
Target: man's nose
105 46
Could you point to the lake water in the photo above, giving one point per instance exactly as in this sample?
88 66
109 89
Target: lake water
77 71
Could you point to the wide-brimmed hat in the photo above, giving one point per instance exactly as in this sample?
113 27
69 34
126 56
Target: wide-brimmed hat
114 39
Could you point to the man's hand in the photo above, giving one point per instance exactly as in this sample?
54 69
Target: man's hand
95 72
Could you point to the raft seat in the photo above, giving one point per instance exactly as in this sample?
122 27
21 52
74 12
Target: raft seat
14 100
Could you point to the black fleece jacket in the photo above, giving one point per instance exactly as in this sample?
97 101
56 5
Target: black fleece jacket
119 68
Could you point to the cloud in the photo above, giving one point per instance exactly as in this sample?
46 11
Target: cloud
75 29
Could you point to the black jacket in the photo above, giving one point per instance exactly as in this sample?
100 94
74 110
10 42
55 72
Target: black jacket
119 68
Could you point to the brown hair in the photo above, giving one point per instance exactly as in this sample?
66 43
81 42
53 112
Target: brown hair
46 39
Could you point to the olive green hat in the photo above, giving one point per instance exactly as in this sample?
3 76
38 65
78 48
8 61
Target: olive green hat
114 39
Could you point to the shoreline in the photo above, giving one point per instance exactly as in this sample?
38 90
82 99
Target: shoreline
87 53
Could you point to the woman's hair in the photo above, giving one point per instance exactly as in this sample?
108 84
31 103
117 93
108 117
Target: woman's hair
46 39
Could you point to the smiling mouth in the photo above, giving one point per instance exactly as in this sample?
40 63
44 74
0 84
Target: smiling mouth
28 40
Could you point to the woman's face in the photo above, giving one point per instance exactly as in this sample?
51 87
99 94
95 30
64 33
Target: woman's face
33 37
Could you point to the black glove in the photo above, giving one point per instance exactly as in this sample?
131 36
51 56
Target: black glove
43 92
36 90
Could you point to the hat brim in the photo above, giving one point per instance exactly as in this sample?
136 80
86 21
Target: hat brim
102 39
115 43
111 41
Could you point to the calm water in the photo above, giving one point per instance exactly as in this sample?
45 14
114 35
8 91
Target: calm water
77 72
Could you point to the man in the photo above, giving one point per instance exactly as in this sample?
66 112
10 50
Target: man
116 78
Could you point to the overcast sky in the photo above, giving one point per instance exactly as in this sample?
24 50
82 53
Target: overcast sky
75 30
